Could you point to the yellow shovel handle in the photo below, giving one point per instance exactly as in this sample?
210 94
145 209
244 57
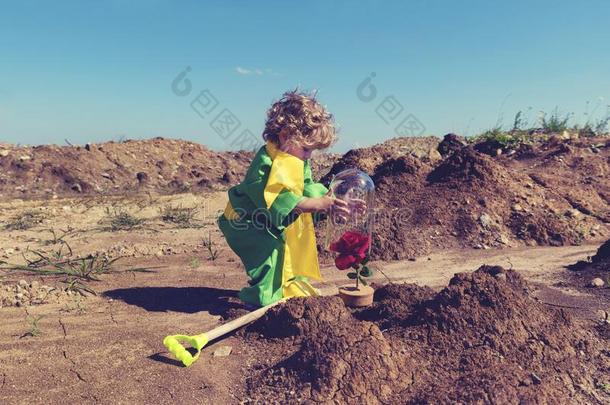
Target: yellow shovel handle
179 351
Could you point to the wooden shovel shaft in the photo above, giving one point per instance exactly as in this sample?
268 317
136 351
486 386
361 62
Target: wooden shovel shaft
239 322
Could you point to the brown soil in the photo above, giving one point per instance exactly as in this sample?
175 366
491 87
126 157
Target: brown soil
24 293
597 266
107 347
482 339
156 165
551 193
161 165
556 195
421 345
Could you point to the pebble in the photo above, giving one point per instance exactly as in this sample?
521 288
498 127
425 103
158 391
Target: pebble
223 351
503 239
537 380
485 220
597 282
517 207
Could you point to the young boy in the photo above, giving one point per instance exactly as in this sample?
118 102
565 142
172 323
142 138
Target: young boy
268 221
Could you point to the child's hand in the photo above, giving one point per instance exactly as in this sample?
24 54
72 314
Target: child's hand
357 206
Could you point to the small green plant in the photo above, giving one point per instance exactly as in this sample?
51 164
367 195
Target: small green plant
604 386
57 262
554 123
34 328
76 286
194 263
183 217
25 220
505 140
59 235
519 122
121 220
209 245
75 305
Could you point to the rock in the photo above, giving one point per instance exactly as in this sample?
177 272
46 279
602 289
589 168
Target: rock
24 158
4 153
223 351
450 144
434 155
503 239
23 283
142 177
517 207
485 220
597 283
88 146
77 187
573 213
535 379
106 175
501 276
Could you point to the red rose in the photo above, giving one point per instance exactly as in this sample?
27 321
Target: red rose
352 248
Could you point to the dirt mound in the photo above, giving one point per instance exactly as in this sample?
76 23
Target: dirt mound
482 339
593 275
603 253
470 199
367 159
163 165
340 359
395 303
466 165
299 317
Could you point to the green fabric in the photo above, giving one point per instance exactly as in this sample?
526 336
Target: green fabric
258 237
313 190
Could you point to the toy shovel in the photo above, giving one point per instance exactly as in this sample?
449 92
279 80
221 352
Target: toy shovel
174 343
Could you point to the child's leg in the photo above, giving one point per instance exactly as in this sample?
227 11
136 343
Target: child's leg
262 256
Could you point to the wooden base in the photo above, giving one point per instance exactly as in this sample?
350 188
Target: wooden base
357 297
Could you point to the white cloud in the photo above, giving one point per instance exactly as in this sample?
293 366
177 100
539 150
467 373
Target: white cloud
242 71
256 71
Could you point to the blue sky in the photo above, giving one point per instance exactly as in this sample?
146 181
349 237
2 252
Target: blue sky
90 71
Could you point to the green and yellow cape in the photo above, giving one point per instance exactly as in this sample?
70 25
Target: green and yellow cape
276 246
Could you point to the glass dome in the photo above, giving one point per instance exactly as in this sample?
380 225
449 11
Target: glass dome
358 190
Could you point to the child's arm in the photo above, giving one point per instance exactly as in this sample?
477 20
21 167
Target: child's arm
325 204
318 199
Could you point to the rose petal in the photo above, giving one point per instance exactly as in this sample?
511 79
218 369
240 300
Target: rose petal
345 261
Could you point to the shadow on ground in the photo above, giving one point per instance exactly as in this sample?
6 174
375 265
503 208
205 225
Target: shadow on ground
216 301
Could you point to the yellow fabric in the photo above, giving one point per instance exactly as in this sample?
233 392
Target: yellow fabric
300 254
230 213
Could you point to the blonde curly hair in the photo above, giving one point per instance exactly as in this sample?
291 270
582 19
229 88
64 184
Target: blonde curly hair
301 119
